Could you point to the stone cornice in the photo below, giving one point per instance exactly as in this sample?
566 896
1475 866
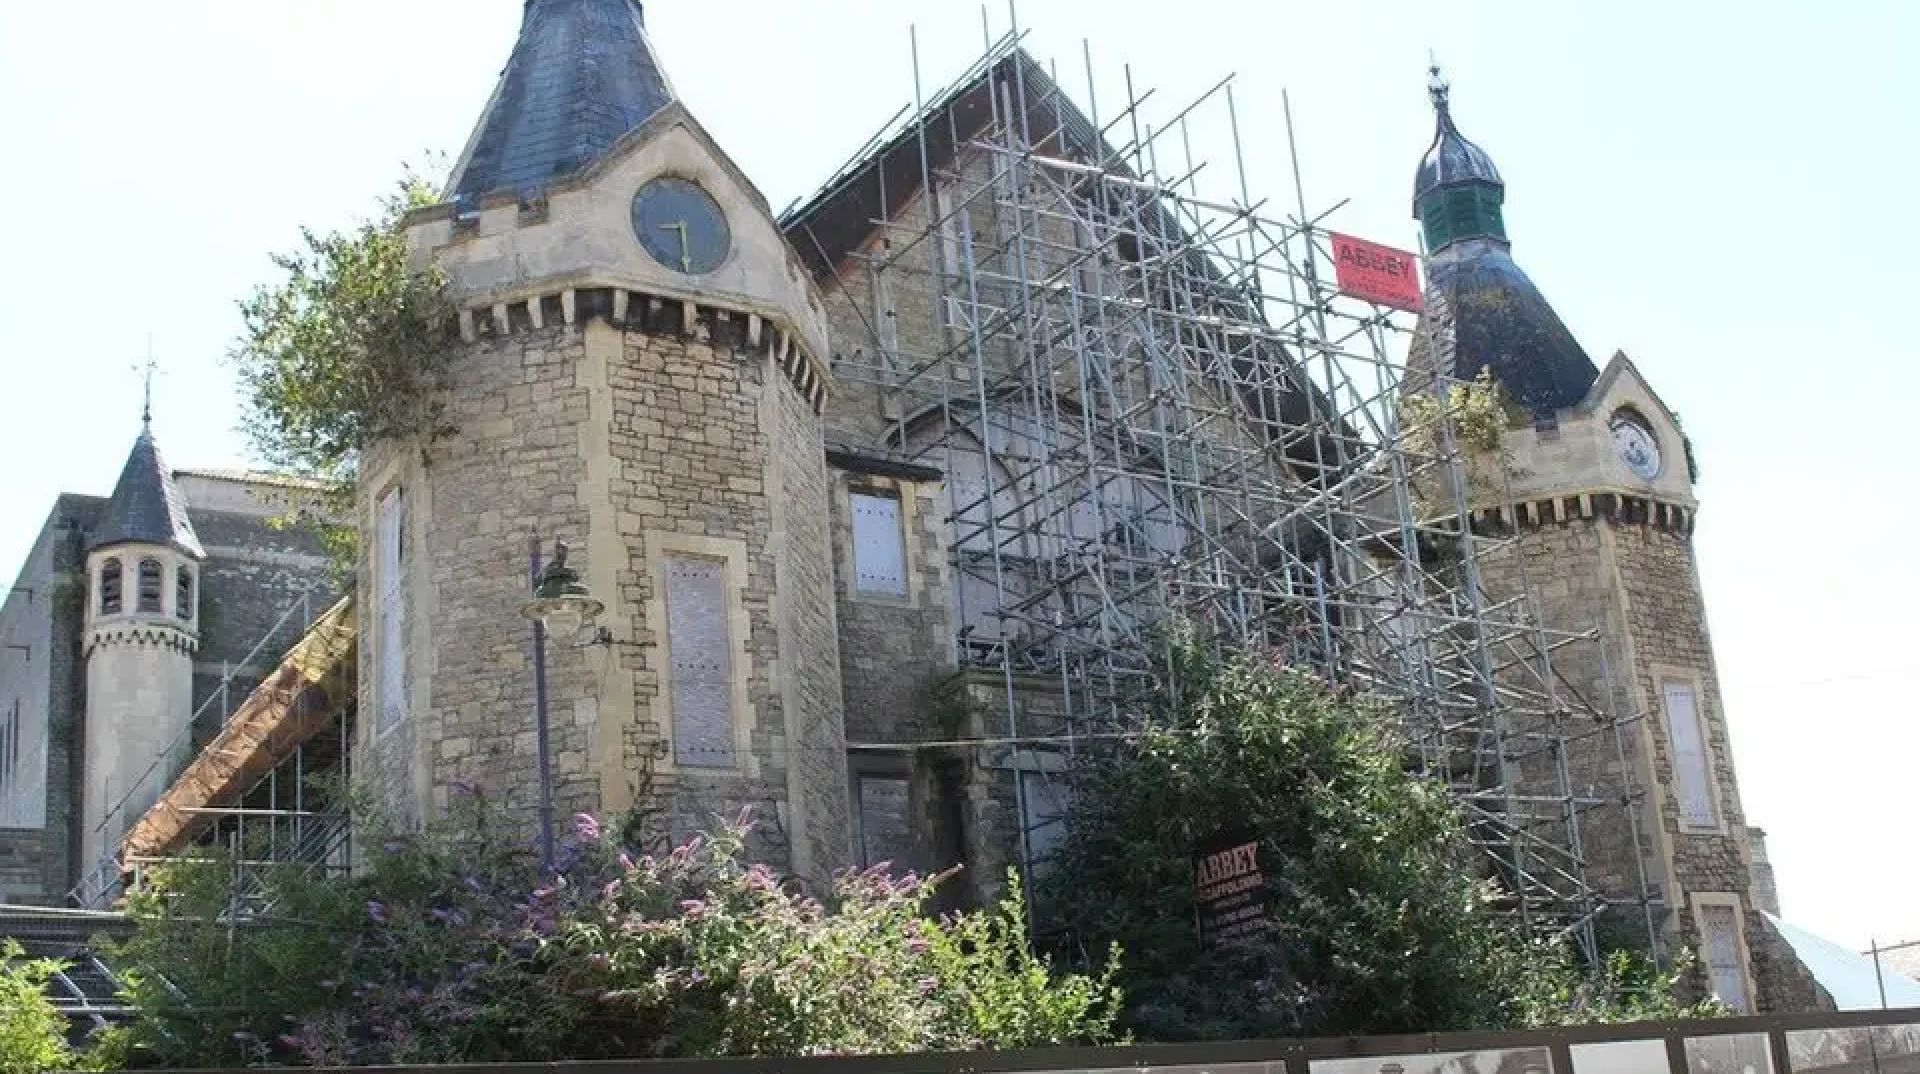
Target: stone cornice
1612 505
141 634
747 331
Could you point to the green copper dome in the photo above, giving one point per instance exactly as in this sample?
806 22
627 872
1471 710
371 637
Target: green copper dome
1457 193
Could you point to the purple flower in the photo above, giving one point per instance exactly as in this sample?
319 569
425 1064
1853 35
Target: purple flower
918 945
626 861
928 985
585 826
377 911
611 890
693 907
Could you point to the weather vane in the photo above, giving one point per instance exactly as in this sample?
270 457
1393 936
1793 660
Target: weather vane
1436 82
146 397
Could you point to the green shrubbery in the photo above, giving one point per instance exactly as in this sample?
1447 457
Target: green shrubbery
1380 921
454 947
33 1035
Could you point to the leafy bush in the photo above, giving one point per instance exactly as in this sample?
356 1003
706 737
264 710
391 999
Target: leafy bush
347 347
33 1035
454 947
1379 921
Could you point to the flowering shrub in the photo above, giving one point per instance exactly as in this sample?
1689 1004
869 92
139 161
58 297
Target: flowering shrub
455 947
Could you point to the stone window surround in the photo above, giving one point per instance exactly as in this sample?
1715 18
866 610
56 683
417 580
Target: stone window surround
1030 761
1701 901
905 493
879 764
389 484
1664 675
732 556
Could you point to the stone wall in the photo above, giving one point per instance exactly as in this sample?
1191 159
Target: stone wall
44 612
633 444
1637 584
23 867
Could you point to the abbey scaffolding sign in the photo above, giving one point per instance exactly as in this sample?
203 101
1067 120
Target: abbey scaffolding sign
1229 890
1376 273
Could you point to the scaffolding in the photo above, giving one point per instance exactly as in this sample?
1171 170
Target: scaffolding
1149 400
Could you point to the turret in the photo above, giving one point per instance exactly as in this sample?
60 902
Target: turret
143 627
640 372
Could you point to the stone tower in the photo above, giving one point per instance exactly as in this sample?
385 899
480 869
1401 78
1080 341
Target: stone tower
641 373
1596 493
142 629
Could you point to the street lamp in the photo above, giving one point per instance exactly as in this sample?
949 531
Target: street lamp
561 604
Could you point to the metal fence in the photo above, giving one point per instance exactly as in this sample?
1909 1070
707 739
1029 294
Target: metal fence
1866 1042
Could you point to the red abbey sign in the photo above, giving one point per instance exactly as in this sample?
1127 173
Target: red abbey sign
1376 273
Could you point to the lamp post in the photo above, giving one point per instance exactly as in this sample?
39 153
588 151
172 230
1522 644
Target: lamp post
561 604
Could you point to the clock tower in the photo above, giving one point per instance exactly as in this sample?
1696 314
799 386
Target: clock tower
1591 500
640 373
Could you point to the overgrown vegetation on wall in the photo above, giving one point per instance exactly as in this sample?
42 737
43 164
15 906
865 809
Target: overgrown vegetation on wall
1376 920
454 947
347 346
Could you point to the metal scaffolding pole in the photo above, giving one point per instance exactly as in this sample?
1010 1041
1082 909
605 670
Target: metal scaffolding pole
1149 403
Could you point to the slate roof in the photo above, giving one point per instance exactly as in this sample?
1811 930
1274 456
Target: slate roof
885 177
581 75
145 506
1484 313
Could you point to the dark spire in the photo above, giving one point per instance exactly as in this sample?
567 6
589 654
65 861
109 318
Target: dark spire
145 507
581 76
1458 192
1482 310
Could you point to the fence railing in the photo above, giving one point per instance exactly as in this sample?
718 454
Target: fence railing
1867 1042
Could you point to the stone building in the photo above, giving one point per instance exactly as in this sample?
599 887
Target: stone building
136 625
1594 481
881 498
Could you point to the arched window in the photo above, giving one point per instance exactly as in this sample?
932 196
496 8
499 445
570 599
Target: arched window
183 594
110 587
150 582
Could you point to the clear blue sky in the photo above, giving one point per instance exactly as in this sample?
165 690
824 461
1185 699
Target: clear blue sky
1724 190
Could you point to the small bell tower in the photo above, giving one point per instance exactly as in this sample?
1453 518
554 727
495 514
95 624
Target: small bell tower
142 629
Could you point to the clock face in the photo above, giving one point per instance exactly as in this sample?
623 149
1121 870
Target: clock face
681 225
1637 446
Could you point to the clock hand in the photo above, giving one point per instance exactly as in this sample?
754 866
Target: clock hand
686 260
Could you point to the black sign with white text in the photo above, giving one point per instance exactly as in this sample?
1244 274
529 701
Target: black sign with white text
1229 888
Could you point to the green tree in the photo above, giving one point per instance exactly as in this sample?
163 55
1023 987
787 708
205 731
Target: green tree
1379 921
33 1034
348 345
454 947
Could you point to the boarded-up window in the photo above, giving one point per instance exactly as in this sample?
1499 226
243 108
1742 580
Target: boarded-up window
150 584
1724 968
1692 778
697 651
886 827
390 619
1046 798
879 547
183 593
110 587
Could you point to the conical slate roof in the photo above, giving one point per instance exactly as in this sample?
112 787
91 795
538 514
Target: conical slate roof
1497 320
581 76
146 507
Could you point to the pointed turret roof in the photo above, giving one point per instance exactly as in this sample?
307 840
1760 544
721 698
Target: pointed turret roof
145 507
582 75
1482 310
